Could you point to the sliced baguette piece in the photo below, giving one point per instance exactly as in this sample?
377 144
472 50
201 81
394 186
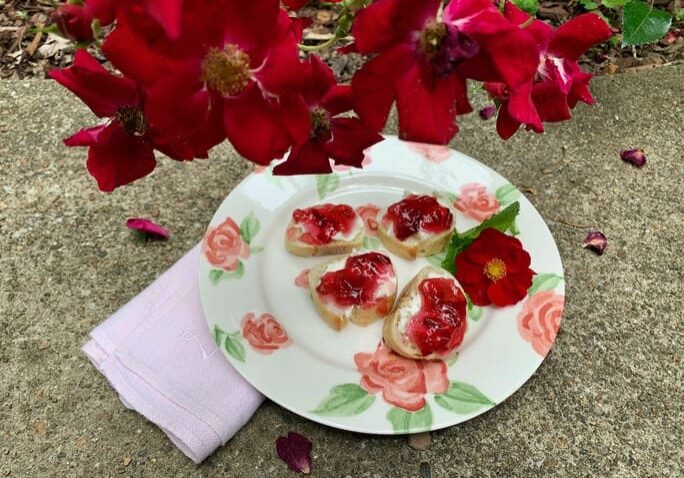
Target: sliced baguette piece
394 337
358 315
412 247
295 246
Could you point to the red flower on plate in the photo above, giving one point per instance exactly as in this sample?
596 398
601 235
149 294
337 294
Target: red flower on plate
340 138
223 246
539 320
402 381
494 269
264 334
424 60
559 82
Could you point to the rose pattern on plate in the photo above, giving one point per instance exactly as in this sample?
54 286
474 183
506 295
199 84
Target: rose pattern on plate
302 279
227 245
433 153
540 318
369 214
476 202
264 334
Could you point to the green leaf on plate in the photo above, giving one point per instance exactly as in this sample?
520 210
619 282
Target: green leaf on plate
249 227
529 6
327 183
218 275
410 422
544 282
452 359
218 334
475 313
641 23
462 398
234 347
370 243
345 400
501 221
437 259
506 194
215 276
514 229
451 197
256 249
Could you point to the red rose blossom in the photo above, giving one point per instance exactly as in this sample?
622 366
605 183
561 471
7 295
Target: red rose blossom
494 269
559 83
424 60
75 21
342 139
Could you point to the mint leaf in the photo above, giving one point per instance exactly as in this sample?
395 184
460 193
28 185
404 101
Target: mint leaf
410 422
345 400
529 6
641 23
501 221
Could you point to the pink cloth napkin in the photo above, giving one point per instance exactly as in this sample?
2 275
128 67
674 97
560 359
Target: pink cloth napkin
158 354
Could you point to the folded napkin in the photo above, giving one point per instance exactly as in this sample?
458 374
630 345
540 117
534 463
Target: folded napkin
158 354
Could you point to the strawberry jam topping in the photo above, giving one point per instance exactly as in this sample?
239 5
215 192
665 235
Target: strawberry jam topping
358 281
321 223
440 324
415 213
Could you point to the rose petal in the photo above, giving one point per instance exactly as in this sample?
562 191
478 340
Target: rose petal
295 450
147 227
595 241
487 112
635 156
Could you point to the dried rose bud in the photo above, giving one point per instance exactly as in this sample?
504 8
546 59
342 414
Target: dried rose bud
487 112
295 450
635 156
595 241
148 228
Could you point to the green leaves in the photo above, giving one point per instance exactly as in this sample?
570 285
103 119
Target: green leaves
462 398
232 343
218 275
437 259
405 422
345 400
641 23
326 183
249 227
614 3
529 6
501 221
506 194
371 243
544 282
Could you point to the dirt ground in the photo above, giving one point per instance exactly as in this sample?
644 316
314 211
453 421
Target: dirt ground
26 52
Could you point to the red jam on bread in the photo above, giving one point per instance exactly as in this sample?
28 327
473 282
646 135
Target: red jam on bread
321 223
359 282
418 213
440 324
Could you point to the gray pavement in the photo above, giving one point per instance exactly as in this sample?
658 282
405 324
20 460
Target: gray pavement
608 401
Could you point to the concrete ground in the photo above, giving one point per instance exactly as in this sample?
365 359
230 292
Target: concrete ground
608 400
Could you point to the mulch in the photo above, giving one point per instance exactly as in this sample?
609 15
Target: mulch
26 52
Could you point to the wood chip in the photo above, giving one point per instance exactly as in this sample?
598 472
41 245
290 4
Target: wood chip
529 190
33 46
43 344
420 441
127 460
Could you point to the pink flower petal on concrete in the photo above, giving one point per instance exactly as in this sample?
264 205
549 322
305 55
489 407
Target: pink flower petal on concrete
149 228
487 112
635 156
595 241
295 450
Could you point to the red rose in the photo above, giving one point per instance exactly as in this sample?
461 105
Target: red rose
474 201
369 214
494 269
539 320
264 334
223 245
403 382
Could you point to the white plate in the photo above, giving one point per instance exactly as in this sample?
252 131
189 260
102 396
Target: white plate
268 329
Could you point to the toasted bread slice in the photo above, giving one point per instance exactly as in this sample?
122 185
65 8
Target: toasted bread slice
392 332
421 244
295 246
339 318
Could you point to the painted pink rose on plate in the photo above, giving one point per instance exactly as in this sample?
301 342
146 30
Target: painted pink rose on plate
403 382
367 160
260 169
302 279
433 153
539 320
369 214
475 201
224 247
264 334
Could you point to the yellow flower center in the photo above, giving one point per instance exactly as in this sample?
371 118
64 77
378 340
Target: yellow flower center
227 70
431 38
495 269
